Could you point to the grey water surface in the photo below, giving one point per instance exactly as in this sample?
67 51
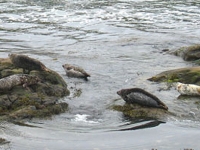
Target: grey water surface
120 43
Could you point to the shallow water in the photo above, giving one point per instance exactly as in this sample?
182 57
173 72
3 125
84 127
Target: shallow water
120 43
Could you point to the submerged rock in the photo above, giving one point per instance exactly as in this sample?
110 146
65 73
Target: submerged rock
187 89
26 98
3 141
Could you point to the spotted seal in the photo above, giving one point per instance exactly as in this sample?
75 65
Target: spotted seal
187 89
27 63
25 80
141 97
75 71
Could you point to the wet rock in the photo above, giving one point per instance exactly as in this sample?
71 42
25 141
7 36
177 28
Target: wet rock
50 77
5 63
31 100
3 141
8 72
137 111
188 75
189 53
31 111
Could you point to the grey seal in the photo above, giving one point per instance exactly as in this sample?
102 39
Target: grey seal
25 80
187 89
75 71
27 63
141 97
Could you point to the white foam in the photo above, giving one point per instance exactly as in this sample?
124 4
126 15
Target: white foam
83 118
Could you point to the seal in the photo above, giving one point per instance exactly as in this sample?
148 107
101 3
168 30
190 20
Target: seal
27 63
141 97
25 80
75 71
187 89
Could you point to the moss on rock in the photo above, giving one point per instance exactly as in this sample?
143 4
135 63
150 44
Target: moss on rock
30 111
189 75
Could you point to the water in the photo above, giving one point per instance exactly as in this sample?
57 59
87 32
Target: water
120 43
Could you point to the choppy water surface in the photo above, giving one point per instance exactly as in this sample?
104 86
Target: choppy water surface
120 43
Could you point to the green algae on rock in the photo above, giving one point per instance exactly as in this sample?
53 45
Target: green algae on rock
188 75
37 100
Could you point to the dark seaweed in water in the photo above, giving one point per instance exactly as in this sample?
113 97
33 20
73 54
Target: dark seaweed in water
142 97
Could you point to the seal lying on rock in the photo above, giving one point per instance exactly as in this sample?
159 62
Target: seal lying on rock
27 63
75 71
141 97
187 89
25 80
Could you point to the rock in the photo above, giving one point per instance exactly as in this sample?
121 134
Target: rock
75 71
8 72
3 141
32 100
5 63
31 111
188 75
137 111
189 53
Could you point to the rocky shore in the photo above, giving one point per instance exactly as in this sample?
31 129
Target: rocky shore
25 99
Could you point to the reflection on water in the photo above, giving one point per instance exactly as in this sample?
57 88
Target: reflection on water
120 43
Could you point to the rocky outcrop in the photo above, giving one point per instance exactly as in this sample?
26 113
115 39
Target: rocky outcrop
190 53
189 75
24 100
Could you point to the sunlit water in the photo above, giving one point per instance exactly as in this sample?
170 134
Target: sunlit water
120 43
